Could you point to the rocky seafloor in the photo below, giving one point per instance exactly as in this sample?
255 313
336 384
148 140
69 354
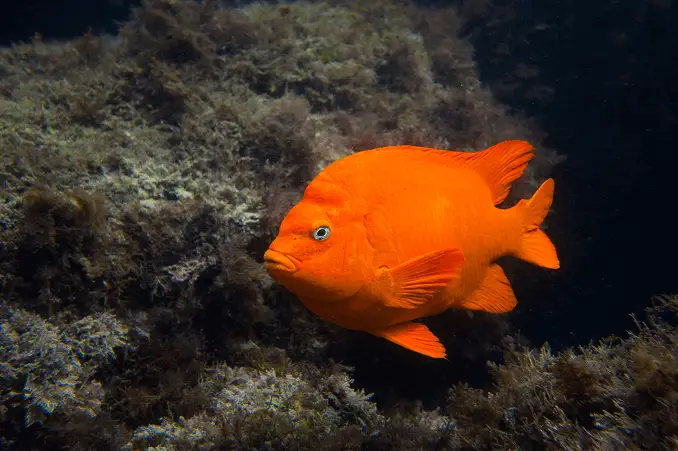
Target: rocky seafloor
143 176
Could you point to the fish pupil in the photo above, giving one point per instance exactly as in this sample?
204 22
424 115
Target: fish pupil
321 233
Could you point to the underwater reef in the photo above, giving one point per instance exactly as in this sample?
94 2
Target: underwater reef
143 176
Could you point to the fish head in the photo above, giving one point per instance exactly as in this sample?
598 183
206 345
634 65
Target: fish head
317 253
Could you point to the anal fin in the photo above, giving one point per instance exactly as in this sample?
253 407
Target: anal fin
415 337
494 295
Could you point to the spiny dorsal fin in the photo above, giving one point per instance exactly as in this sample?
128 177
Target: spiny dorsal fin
501 165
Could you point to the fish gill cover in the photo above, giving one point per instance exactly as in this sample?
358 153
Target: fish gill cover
143 176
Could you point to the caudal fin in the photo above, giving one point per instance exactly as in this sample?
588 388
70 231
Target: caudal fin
535 247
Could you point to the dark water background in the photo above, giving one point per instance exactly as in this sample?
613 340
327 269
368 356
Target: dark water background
613 66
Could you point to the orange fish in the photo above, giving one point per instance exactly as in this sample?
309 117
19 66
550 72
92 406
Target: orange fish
390 235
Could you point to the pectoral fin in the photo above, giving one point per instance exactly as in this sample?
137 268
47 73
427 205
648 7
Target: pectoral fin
414 282
415 337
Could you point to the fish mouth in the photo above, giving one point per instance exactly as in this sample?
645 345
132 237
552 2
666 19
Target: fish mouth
277 261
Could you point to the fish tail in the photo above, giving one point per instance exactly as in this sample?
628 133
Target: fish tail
535 247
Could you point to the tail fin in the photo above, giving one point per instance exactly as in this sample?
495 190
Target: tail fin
535 246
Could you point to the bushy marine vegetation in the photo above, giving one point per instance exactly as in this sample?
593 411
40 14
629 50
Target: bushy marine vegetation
143 175
619 394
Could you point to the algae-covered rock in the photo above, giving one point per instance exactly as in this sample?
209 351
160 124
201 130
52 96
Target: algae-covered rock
144 174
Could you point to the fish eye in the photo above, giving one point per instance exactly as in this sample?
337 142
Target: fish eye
321 233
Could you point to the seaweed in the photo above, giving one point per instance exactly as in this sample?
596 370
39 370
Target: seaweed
59 240
619 393
143 176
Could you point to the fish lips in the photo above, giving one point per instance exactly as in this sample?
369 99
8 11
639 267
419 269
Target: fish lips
279 262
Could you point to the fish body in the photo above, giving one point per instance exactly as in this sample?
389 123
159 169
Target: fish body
390 235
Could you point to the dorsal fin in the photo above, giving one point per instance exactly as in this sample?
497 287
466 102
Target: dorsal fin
499 165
